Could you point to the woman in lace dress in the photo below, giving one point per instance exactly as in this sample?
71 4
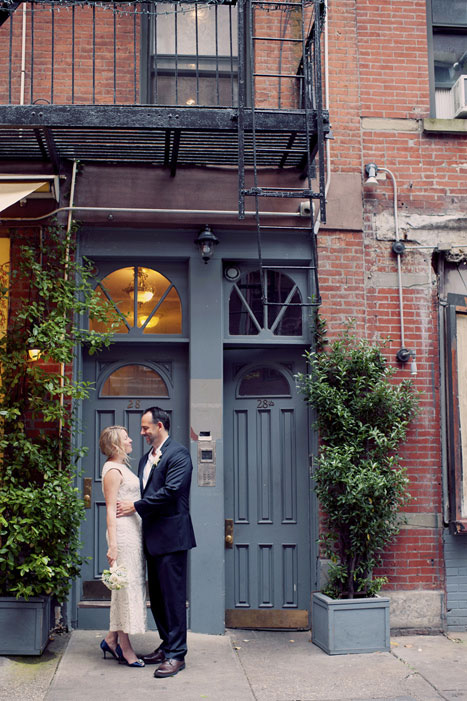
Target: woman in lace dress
125 547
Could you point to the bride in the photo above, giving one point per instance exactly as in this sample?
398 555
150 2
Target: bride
125 548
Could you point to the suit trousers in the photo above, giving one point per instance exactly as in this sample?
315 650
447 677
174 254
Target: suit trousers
167 592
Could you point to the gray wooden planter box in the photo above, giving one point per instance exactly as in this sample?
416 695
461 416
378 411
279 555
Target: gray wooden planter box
342 626
24 625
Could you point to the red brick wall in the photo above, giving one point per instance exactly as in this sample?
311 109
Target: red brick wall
393 58
378 68
50 50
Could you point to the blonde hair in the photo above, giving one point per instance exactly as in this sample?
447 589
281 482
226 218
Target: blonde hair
111 443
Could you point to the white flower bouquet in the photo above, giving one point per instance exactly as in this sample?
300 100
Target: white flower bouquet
115 578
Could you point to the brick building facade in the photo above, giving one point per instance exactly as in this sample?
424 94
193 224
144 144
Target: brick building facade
381 68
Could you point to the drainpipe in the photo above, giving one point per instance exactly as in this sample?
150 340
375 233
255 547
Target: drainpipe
67 258
327 143
23 56
442 387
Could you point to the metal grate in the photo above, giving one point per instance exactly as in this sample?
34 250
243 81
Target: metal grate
195 147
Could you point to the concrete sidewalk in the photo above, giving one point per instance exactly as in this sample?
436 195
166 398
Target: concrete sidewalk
243 666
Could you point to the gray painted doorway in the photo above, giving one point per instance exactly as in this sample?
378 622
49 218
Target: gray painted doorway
128 379
269 545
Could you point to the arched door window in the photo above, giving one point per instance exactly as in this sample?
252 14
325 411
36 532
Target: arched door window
263 381
147 302
134 381
280 312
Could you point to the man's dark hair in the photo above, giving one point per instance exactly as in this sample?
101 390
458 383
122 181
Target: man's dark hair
159 414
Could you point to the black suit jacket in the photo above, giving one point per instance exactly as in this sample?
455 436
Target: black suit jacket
165 503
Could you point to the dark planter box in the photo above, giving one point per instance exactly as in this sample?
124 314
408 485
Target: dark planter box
24 625
342 626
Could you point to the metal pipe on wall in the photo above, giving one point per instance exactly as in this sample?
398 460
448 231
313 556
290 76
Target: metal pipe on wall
67 258
23 56
399 272
442 387
141 210
327 143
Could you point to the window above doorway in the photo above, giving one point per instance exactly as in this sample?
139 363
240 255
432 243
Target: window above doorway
146 301
280 314
264 381
134 381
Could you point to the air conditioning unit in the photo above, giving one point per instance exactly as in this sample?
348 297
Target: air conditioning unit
459 97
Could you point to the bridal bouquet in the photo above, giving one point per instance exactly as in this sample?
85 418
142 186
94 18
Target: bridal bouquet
115 578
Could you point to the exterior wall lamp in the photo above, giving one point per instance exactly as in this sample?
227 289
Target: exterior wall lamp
34 354
206 241
403 355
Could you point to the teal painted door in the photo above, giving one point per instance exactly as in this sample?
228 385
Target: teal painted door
267 492
128 379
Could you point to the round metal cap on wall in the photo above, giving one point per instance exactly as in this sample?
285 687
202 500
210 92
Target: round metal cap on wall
232 273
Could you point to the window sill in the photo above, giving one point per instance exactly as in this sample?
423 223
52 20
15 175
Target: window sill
445 126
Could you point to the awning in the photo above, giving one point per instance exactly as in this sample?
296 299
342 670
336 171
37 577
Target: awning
11 192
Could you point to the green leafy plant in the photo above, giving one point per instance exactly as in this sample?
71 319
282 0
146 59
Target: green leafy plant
50 293
362 416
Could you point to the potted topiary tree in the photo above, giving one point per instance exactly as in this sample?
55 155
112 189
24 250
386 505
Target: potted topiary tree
50 292
362 416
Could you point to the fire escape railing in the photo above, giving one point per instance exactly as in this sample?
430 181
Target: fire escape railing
133 53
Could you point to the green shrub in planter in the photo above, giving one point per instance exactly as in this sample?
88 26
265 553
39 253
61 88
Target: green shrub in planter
363 416
51 293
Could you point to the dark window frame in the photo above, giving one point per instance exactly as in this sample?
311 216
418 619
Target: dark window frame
432 29
221 66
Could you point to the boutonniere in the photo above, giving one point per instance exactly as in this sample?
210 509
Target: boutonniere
156 461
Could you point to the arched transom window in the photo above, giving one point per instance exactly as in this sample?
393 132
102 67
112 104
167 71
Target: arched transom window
280 313
263 382
146 301
134 381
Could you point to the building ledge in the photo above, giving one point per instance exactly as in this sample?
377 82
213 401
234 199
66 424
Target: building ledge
445 126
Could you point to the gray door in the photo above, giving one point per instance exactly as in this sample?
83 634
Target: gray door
267 486
127 379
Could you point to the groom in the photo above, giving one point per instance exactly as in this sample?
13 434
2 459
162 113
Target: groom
165 478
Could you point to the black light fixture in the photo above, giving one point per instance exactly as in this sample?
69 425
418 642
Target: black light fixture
206 241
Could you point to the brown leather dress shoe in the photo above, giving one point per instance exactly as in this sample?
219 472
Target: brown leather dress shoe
169 668
155 657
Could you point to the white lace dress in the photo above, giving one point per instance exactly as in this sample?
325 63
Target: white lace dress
128 605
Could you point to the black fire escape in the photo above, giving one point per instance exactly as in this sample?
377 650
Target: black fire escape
185 103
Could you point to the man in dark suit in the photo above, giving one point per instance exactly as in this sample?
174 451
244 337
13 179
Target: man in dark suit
165 477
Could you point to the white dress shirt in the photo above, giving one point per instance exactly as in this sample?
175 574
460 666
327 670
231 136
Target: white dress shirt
153 458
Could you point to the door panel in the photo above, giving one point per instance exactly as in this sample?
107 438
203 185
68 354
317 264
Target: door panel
122 376
267 487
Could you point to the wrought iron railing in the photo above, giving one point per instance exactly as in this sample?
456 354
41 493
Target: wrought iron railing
75 52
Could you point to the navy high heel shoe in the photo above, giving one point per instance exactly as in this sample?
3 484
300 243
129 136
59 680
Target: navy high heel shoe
122 660
105 647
